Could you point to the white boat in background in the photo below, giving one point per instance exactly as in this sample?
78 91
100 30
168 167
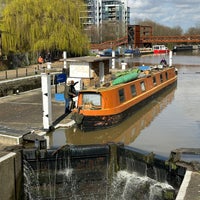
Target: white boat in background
160 49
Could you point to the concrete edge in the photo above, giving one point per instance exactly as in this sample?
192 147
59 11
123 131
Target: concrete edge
7 156
69 124
11 140
184 185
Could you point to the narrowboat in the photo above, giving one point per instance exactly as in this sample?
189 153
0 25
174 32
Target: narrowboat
108 105
183 48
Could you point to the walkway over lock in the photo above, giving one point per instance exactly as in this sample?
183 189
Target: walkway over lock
142 36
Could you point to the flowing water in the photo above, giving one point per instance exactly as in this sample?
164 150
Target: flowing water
61 176
168 122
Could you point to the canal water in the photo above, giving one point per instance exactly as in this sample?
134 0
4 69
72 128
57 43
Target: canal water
168 122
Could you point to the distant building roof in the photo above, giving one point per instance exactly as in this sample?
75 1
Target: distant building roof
88 59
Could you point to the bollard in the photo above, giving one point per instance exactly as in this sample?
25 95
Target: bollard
124 65
49 65
113 59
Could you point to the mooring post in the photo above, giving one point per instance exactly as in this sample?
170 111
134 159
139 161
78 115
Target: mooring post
46 100
170 58
49 65
65 59
113 59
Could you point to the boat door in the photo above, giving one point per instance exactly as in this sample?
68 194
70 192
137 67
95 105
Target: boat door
101 72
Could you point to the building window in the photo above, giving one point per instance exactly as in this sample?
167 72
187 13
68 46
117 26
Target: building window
142 86
121 95
166 74
133 90
161 78
154 80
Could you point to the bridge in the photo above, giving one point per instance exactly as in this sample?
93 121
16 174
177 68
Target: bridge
191 39
141 36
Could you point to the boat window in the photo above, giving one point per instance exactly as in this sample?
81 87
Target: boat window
154 80
142 85
166 74
161 78
92 98
133 90
121 95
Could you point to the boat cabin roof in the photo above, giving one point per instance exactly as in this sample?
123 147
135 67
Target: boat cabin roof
109 85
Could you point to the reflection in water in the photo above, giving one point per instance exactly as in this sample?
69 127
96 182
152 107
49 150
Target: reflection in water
126 132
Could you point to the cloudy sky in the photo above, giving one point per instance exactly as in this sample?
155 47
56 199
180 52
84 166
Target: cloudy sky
183 13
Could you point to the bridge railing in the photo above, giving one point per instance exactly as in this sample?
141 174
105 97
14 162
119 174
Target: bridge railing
149 39
171 39
110 43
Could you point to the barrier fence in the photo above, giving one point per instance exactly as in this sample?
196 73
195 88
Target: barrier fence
27 71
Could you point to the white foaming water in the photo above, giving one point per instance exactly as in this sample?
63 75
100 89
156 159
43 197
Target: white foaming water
31 183
67 172
130 186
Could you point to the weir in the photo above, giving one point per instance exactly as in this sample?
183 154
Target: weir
110 171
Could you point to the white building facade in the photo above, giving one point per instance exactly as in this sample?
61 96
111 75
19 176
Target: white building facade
100 11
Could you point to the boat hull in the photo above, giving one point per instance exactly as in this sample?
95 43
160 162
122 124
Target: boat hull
183 48
160 51
94 123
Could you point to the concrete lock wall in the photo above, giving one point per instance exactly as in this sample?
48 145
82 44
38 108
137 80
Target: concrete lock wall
11 176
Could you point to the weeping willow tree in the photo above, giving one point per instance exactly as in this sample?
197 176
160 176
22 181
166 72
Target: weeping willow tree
36 25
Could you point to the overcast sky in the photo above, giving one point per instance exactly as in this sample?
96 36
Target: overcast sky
183 13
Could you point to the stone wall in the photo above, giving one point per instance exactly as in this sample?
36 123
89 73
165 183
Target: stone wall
19 85
15 86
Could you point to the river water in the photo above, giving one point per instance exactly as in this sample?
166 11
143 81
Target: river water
168 122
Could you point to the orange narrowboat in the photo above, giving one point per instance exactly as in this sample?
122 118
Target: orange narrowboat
104 107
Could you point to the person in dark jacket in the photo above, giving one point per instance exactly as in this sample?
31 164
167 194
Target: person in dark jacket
73 87
163 62
68 94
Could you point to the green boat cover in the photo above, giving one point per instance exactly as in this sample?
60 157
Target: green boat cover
126 78
121 73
